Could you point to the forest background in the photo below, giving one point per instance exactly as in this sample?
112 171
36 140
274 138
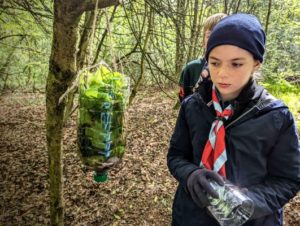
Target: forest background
149 41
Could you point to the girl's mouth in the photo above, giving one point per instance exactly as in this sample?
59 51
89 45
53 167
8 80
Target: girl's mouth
223 85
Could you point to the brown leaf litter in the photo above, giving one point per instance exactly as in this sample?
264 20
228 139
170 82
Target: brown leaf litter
139 191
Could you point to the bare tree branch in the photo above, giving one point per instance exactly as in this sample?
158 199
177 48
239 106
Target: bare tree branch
33 7
36 10
78 7
15 35
90 4
104 35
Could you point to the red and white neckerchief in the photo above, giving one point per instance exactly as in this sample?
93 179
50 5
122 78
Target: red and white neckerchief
214 155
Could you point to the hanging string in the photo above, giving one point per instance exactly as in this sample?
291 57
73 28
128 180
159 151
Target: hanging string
111 43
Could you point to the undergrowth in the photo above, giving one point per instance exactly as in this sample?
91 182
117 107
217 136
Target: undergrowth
288 93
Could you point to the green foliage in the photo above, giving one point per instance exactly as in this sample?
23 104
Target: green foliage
27 67
283 52
103 97
289 94
25 47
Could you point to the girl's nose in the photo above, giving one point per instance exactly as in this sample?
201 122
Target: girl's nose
223 71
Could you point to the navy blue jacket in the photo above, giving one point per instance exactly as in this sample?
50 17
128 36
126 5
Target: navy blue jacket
263 154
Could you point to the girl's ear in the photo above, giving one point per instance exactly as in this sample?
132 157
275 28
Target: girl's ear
256 66
255 72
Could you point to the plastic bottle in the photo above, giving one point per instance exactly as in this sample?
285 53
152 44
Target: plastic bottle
232 208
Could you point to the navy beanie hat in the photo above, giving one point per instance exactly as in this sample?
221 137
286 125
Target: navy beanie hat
242 30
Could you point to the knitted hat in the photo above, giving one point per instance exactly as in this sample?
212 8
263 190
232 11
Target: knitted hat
242 30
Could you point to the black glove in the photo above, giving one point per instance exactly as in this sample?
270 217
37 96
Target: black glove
203 80
198 186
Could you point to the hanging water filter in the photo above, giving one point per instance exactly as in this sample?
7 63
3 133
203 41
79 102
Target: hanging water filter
103 99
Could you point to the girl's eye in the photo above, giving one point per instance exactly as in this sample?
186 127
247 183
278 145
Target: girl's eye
237 64
214 64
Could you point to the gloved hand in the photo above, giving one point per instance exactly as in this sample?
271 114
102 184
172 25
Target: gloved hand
205 73
198 186
204 79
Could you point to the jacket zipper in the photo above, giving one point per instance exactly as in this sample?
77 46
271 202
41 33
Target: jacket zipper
241 116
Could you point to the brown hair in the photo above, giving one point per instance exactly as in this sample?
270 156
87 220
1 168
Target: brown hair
211 21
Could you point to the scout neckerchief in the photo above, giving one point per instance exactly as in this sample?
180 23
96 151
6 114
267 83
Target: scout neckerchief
214 154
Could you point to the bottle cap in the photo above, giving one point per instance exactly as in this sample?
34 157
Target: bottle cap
101 177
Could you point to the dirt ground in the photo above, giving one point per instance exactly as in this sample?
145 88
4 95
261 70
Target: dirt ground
139 190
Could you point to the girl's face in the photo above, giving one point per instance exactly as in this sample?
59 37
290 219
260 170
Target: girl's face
230 69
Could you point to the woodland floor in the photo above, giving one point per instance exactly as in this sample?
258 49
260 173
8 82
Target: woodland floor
139 191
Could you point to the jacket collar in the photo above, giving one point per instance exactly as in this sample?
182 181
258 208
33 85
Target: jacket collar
252 100
250 93
247 98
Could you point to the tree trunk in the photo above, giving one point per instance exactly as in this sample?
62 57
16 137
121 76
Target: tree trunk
4 67
225 7
268 16
143 57
62 72
194 42
199 32
85 39
180 36
237 6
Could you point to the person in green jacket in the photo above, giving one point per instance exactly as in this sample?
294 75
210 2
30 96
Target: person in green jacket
191 73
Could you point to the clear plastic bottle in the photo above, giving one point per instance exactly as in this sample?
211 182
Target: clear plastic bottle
232 208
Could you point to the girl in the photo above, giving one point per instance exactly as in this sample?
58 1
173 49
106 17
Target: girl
232 128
